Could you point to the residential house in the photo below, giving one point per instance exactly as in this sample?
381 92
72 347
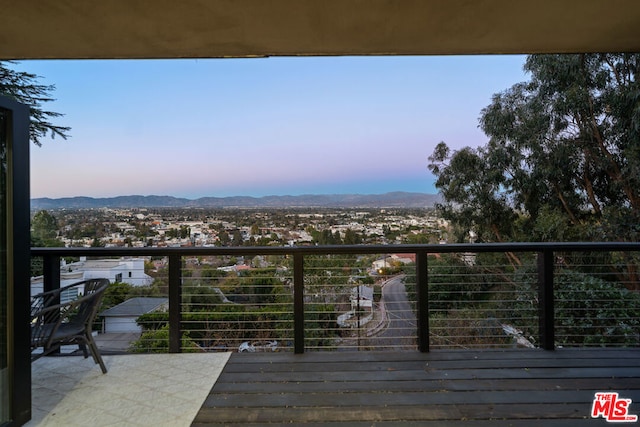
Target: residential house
128 270
122 317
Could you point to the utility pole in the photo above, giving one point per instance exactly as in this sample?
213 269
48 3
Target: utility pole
358 315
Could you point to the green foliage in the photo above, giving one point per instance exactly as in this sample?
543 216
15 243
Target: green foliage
593 311
562 162
153 321
351 237
453 284
44 226
377 293
326 237
466 328
157 341
588 309
320 325
115 294
177 233
253 287
226 322
96 243
212 272
44 231
210 323
563 158
196 298
473 193
421 238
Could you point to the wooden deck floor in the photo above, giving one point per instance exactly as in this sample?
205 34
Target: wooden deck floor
444 388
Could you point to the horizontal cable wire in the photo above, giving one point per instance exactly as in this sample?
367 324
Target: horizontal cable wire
475 301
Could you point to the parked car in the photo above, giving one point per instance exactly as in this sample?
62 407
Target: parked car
258 346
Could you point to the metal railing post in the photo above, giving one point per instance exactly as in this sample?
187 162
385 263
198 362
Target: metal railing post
422 297
546 299
51 273
298 303
175 300
51 281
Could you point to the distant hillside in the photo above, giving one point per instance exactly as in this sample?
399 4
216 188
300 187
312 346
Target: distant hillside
396 199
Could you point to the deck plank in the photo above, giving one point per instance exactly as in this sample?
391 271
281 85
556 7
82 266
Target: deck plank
431 385
446 388
402 375
413 365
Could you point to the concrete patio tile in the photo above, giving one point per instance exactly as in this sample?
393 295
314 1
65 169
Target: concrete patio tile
139 390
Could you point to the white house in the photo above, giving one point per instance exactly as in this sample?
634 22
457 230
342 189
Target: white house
116 270
362 296
128 270
382 263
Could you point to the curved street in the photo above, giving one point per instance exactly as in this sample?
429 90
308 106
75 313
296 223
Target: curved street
400 331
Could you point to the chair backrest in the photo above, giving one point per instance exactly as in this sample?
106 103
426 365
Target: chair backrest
47 314
89 303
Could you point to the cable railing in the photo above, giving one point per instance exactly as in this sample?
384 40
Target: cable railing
364 297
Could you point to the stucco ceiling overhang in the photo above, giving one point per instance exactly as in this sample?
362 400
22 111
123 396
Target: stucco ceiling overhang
40 29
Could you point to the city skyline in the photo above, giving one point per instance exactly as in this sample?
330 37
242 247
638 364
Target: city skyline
258 127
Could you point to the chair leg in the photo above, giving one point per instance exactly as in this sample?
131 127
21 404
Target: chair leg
93 348
83 347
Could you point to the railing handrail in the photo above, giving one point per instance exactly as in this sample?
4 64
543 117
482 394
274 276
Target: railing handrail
544 250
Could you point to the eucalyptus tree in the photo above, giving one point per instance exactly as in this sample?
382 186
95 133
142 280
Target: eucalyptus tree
563 157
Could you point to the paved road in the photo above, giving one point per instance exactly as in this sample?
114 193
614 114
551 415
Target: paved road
400 332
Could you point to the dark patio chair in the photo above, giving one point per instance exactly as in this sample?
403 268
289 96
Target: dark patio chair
54 324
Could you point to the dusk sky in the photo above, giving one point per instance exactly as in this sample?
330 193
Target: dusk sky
255 127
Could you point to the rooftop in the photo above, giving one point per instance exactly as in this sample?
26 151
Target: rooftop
136 306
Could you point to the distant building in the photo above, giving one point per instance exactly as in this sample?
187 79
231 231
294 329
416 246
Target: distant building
128 270
238 268
361 296
382 263
66 279
361 299
404 258
396 260
122 318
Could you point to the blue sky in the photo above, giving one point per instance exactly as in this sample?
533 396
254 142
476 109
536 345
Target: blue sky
269 126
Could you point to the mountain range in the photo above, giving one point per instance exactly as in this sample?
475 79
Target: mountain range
397 199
